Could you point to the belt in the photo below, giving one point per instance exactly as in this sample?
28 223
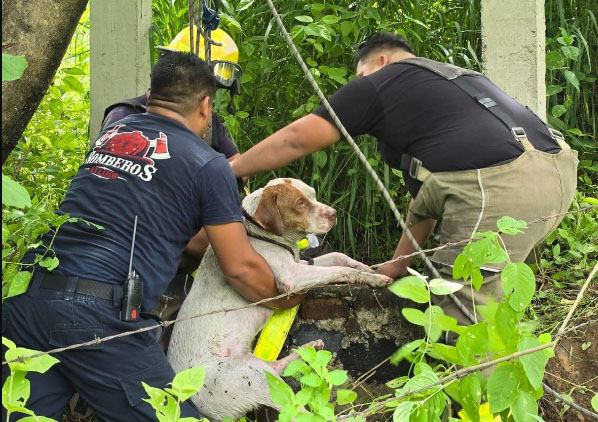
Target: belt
84 286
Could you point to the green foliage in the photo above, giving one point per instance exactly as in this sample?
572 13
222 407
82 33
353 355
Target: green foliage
514 386
13 67
52 147
17 388
571 63
167 402
313 402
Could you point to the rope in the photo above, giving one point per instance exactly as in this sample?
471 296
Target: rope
363 158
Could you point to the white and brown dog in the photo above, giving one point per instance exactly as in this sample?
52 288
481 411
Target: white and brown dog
282 212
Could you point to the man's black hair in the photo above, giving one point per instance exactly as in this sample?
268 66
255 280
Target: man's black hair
182 80
382 41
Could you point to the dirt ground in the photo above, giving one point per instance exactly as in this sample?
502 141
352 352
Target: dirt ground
574 372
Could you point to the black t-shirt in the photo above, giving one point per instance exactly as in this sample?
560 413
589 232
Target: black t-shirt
153 167
412 110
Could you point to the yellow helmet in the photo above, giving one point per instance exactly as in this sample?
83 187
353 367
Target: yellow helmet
224 56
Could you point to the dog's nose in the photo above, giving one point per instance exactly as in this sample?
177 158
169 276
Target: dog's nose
332 213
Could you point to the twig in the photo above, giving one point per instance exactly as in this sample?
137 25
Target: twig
570 403
577 300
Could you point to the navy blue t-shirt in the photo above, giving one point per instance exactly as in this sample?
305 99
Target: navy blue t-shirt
153 167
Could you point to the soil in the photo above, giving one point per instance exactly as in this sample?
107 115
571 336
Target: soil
574 372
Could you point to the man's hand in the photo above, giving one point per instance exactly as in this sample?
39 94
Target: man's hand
245 269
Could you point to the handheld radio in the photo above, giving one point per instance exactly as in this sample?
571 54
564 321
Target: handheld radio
132 288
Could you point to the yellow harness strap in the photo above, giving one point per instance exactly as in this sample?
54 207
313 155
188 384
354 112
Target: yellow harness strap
274 334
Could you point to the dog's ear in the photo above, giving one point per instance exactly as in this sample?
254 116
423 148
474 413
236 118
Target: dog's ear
267 214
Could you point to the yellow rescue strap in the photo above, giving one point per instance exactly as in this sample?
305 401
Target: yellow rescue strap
274 334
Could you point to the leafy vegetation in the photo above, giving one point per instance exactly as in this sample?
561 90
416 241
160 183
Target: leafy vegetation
274 92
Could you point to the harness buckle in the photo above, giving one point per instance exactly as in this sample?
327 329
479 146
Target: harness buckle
556 134
414 167
518 132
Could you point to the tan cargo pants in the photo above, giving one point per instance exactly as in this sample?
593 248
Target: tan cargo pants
536 184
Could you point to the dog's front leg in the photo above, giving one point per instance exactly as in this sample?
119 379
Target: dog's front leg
337 259
294 277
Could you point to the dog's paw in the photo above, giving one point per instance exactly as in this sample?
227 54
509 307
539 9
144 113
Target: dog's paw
317 344
376 280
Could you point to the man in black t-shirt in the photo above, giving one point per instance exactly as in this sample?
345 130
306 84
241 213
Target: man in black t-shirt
469 153
155 167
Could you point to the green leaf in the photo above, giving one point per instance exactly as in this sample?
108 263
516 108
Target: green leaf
308 353
415 316
280 392
445 352
553 89
506 320
510 225
554 60
50 263
163 403
558 110
433 314
346 27
473 341
570 52
320 158
330 19
295 367
595 402
345 396
571 78
303 396
73 84
525 407
8 343
470 392
519 284
533 363
304 18
403 412
188 382
13 194
38 364
19 283
337 377
244 4
442 287
502 387
405 351
13 68
17 394
412 288
311 380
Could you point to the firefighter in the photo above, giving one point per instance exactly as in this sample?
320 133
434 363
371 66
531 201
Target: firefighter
224 62
152 168
469 153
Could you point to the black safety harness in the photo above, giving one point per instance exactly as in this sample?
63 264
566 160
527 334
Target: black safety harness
412 165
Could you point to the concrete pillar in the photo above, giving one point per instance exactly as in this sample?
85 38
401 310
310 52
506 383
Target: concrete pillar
120 56
513 39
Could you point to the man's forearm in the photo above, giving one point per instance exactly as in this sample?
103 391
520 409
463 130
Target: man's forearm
309 134
420 231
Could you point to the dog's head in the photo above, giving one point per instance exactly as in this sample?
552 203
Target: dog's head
289 205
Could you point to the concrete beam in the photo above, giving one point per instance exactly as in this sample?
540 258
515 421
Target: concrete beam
513 39
120 56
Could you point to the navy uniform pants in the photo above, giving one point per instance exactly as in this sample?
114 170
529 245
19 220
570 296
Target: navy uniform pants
107 375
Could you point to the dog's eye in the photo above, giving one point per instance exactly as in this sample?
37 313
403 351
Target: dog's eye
300 203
